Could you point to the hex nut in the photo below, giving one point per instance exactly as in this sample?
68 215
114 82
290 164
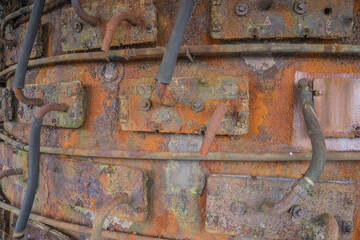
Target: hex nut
300 7
242 9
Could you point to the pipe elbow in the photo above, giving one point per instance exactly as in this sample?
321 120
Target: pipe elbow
25 100
114 22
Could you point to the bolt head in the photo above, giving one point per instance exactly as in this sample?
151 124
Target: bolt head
238 208
242 9
197 105
299 212
77 26
145 105
300 7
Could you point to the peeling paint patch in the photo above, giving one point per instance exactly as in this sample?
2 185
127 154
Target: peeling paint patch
259 63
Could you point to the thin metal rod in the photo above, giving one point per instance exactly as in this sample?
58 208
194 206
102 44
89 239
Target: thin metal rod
75 227
220 50
11 172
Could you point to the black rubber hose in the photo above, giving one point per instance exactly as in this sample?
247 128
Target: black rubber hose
316 167
168 62
35 17
33 177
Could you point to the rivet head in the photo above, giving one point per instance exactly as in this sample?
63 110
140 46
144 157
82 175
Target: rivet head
145 105
242 9
77 27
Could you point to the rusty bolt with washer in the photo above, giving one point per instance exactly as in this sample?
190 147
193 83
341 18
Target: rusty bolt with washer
145 105
300 7
299 212
77 27
197 105
238 208
242 9
348 227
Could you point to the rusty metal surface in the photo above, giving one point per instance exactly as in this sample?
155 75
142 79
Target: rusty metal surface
338 106
36 230
232 207
6 105
79 35
232 19
71 93
11 54
192 103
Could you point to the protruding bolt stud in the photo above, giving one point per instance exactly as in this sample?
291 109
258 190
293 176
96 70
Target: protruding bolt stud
238 208
299 212
350 201
356 131
348 227
145 105
300 7
77 27
197 105
242 9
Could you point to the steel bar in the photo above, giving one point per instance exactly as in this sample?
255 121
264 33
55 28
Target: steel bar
228 49
214 156
76 227
11 172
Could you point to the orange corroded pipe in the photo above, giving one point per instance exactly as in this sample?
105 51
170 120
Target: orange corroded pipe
212 128
25 100
332 227
114 23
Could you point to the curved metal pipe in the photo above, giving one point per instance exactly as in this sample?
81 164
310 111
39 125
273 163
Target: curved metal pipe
93 20
312 175
121 198
33 171
25 100
332 227
11 172
114 23
212 128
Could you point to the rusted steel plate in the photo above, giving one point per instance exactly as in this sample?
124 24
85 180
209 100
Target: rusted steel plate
330 111
6 106
233 201
11 54
92 185
71 93
232 19
193 103
338 106
75 38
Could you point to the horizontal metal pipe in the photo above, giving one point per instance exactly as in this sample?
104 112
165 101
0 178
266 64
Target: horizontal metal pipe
75 227
221 50
213 156
11 172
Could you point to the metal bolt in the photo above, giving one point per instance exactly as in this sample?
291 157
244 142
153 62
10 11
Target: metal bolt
348 227
77 27
238 208
300 7
145 105
299 212
356 131
197 105
242 9
148 27
155 126
350 201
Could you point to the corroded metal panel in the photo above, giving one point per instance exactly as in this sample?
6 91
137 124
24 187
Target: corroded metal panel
232 19
90 187
78 35
6 106
71 93
11 54
338 106
194 103
232 207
